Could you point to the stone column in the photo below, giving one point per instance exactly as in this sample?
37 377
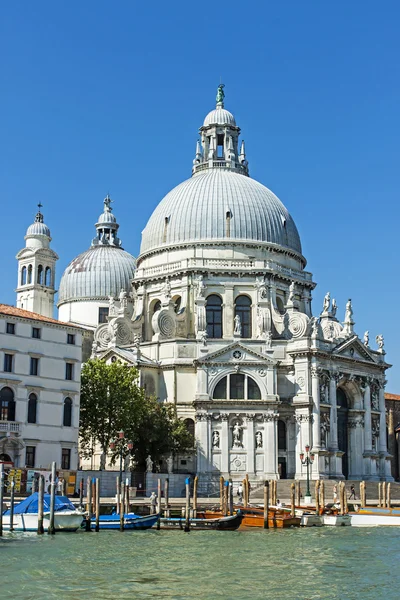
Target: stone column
270 446
333 402
250 446
316 412
228 312
367 418
203 462
382 420
224 443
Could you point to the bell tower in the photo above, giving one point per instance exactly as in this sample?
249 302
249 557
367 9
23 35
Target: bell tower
36 270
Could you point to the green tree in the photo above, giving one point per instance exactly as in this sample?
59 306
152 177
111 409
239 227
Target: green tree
112 400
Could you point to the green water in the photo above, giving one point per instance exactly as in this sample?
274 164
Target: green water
306 564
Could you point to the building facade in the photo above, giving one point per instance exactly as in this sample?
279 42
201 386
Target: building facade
222 326
40 363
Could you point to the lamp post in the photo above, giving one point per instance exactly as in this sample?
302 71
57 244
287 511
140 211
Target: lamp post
307 460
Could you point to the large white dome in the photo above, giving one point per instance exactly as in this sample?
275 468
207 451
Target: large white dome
196 211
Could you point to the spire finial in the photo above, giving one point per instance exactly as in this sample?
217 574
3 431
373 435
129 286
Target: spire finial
220 95
107 202
39 216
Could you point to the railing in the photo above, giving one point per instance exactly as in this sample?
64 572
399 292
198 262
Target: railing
220 164
10 426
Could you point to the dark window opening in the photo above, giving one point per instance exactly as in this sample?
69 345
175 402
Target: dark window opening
103 314
23 276
236 387
189 423
157 306
30 274
214 316
220 146
7 404
40 275
32 408
253 391
220 389
34 370
66 458
281 435
8 363
70 338
69 371
47 277
36 333
67 417
30 452
10 328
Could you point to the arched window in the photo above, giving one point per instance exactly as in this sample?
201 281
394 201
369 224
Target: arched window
23 276
32 406
40 274
67 419
237 387
214 316
157 306
280 305
282 435
30 274
47 277
243 310
7 404
189 423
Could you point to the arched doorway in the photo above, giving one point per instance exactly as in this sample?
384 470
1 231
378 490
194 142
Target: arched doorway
342 428
282 450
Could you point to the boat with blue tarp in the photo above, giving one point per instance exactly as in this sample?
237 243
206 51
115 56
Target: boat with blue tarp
66 516
131 521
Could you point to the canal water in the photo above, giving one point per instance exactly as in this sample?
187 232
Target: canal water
305 564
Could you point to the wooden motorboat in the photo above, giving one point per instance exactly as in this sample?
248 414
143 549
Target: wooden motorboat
25 518
131 521
375 517
220 523
254 517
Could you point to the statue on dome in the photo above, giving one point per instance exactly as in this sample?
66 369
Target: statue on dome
123 299
107 202
381 342
291 292
166 289
111 305
200 287
366 339
327 302
334 308
348 317
220 94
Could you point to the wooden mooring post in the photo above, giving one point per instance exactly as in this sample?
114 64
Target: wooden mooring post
389 495
166 497
317 498
118 484
245 494
379 494
230 497
1 497
322 495
292 499
221 493
88 503
52 529
384 494
97 488
40 528
187 506
158 510
195 486
81 484
226 498
127 502
266 504
298 492
12 502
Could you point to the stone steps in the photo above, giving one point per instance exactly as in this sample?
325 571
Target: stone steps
284 486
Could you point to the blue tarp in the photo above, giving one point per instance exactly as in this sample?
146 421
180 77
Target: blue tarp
30 504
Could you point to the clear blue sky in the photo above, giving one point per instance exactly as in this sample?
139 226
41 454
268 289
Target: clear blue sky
103 96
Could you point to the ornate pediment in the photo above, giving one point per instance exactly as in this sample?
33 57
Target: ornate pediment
237 353
354 349
126 355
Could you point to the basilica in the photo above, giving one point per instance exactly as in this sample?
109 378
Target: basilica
216 314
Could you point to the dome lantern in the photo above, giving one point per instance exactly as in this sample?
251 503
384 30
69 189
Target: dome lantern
219 140
107 227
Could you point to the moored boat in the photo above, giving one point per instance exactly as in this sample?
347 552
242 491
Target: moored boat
66 516
254 517
230 523
375 517
131 521
336 520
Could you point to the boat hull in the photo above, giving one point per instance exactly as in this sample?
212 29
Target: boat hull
230 523
63 521
253 517
375 517
336 520
131 522
311 521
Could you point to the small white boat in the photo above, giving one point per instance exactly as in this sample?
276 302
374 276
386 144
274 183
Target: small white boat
310 520
66 516
336 520
375 517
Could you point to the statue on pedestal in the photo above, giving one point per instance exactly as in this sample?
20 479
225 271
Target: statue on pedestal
236 433
238 326
327 302
215 439
366 339
149 464
259 440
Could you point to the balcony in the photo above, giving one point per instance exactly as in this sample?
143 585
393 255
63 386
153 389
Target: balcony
10 427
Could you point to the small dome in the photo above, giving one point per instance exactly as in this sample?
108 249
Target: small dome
38 228
219 116
99 272
106 217
197 208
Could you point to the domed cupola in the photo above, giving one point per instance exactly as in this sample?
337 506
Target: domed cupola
37 233
95 275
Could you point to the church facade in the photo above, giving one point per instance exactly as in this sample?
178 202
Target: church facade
218 319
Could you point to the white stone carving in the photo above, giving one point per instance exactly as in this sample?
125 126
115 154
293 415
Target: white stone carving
215 439
298 323
237 435
380 341
238 326
149 464
327 303
259 439
366 339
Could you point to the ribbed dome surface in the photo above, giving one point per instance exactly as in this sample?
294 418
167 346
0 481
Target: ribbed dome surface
38 228
99 272
219 116
107 217
197 209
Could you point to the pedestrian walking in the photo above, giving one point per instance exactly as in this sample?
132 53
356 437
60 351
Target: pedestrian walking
240 492
153 503
352 492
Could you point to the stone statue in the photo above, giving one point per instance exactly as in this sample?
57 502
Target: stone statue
259 440
334 308
107 202
327 302
268 339
380 341
314 327
94 347
291 292
238 326
111 306
149 464
236 433
170 464
123 302
220 94
204 337
215 439
348 317
261 288
136 341
166 288
200 287
366 339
